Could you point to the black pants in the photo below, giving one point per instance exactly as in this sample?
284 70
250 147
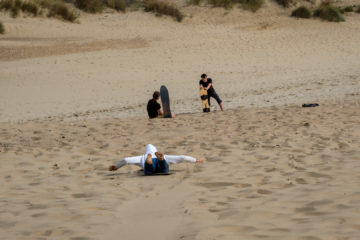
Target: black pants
214 95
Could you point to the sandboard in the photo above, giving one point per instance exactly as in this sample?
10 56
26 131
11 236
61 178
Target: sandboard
204 100
165 101
155 174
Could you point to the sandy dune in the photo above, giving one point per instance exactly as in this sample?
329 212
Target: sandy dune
110 64
72 102
271 173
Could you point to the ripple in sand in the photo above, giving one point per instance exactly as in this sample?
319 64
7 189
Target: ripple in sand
82 195
216 184
4 224
263 191
235 228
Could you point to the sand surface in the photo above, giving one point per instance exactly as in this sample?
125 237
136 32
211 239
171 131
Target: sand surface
110 64
271 173
72 102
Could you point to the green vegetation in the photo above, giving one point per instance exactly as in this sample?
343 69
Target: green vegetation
91 6
252 5
163 8
284 3
329 13
348 9
55 8
118 5
30 7
221 3
194 2
2 28
301 12
60 9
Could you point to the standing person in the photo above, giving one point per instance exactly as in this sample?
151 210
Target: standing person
153 161
153 107
206 83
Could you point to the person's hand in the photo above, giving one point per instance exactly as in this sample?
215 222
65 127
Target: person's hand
200 160
112 168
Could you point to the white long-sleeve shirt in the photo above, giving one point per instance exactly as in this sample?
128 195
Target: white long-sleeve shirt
140 160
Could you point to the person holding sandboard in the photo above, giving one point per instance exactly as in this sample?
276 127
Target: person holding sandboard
206 84
154 162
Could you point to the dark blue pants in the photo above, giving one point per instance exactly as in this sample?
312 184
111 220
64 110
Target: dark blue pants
157 166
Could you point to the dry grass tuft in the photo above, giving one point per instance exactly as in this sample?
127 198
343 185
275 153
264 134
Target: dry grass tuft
252 5
60 9
118 5
221 3
285 3
301 12
329 13
91 6
163 8
2 28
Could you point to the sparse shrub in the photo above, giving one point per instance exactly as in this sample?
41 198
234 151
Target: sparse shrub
341 10
118 5
252 5
45 3
6 5
163 8
2 28
301 12
329 13
15 10
60 9
221 3
348 9
30 7
284 3
358 10
194 2
92 6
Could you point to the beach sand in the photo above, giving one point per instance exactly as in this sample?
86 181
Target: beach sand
72 103
271 173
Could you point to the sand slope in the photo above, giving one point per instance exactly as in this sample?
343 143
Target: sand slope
271 173
111 63
72 102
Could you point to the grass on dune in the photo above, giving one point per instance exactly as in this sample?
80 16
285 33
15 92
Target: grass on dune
2 28
302 12
163 8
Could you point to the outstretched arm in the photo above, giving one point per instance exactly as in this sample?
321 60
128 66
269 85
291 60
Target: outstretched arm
129 160
181 158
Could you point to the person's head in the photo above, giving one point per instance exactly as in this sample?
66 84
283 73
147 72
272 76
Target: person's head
204 77
156 95
159 155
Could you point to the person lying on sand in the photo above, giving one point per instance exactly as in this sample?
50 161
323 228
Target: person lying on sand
153 161
206 83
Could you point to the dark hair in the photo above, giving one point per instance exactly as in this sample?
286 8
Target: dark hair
203 75
156 95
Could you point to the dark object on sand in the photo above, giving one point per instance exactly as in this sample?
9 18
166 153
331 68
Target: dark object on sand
165 100
310 105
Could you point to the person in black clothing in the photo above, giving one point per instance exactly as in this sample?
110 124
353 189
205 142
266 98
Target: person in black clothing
153 107
206 83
